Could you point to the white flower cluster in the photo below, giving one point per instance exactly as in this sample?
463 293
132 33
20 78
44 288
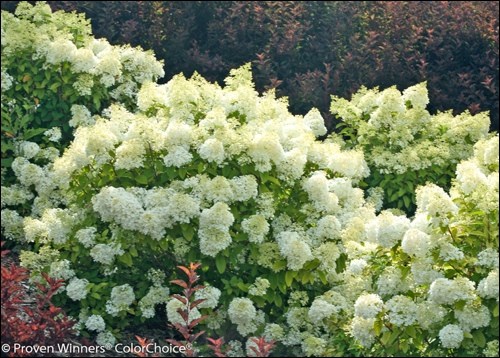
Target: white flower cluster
214 229
77 289
121 298
451 336
173 307
368 306
387 229
243 313
211 296
445 291
327 305
401 311
95 60
477 178
259 287
294 249
105 253
155 296
400 135
150 212
95 323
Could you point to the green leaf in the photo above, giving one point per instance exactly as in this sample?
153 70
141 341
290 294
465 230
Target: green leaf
404 346
187 232
495 311
142 179
479 339
220 263
30 133
407 201
385 338
126 259
377 327
133 252
278 300
289 278
411 331
242 286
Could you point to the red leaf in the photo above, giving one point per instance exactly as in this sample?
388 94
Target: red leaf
179 283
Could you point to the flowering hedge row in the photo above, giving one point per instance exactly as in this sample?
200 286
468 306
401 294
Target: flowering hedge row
290 246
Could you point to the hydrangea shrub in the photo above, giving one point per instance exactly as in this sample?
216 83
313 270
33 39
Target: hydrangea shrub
56 75
222 176
405 146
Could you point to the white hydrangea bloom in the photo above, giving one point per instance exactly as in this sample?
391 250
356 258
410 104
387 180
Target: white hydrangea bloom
242 312
430 314
486 152
212 150
105 253
244 187
173 305
259 287
357 266
368 305
106 339
451 336
390 282
416 243
489 287
80 116
417 95
294 249
491 349
211 296
177 157
321 309
95 323
488 258
118 205
387 229
274 331
61 270
27 149
130 154
256 227
445 291
401 311
435 202
77 289
313 346
86 236
214 229
12 224
362 330
449 252
53 134
15 195
156 295
472 316
315 122
121 298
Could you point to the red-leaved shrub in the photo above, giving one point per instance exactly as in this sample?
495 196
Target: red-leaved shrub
310 50
34 320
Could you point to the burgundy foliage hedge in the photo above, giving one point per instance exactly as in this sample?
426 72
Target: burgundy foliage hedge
309 50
